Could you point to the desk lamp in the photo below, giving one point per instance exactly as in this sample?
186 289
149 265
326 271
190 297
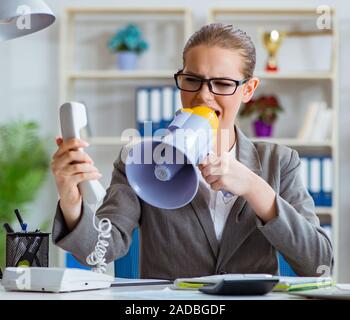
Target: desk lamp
21 17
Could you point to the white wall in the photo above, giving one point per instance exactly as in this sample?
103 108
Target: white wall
29 89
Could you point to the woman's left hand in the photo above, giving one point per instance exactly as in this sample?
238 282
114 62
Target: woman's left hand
226 173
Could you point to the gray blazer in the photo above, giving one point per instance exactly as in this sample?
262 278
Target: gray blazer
182 242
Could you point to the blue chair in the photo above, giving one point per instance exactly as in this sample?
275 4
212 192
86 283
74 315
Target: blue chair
128 265
71 262
284 268
124 267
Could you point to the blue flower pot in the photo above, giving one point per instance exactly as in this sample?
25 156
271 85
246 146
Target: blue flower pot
126 60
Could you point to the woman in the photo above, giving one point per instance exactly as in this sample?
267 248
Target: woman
271 211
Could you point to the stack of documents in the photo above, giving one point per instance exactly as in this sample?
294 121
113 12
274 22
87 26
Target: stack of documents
285 284
302 283
198 282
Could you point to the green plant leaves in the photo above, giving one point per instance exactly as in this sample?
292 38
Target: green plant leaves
128 39
24 163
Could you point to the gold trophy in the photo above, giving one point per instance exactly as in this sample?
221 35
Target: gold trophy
272 42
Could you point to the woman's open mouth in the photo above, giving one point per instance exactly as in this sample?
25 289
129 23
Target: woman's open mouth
218 114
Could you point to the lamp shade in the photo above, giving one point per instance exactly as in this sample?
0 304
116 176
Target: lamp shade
21 17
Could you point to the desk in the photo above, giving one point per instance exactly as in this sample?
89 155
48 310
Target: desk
144 292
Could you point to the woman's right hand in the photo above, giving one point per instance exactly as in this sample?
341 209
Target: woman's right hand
70 166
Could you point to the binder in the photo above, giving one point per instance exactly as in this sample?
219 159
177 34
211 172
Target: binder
156 109
168 106
304 172
327 181
316 174
142 109
177 100
315 180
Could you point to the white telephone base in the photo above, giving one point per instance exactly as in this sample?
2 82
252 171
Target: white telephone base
53 279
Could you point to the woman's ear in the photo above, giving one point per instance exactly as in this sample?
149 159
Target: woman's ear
249 89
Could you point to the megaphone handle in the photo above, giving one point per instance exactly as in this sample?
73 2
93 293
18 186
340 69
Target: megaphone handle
226 194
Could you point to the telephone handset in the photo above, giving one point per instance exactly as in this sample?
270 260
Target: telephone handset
73 118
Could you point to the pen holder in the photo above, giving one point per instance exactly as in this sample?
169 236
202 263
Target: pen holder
27 249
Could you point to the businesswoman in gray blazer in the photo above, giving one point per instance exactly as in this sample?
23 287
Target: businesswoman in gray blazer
270 212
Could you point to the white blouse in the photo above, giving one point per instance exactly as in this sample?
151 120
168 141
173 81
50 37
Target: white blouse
219 205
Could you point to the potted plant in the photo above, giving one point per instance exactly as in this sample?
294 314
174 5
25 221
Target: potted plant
128 44
266 109
24 162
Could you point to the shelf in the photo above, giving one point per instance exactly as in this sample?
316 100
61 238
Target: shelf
265 11
324 210
295 142
168 74
120 75
325 214
295 76
117 140
101 141
125 10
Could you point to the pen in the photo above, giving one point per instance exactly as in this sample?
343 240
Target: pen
26 260
7 228
20 220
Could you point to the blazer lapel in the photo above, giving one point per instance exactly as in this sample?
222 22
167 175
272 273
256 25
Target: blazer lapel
240 222
202 211
235 231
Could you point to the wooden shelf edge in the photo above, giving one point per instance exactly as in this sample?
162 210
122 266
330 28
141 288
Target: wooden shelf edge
291 142
324 210
137 74
100 140
115 74
296 76
266 11
134 10
294 142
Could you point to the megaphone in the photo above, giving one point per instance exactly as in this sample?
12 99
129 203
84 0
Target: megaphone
162 170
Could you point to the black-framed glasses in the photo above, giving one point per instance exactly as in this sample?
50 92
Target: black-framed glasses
219 86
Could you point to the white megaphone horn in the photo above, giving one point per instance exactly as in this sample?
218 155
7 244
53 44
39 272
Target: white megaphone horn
162 171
